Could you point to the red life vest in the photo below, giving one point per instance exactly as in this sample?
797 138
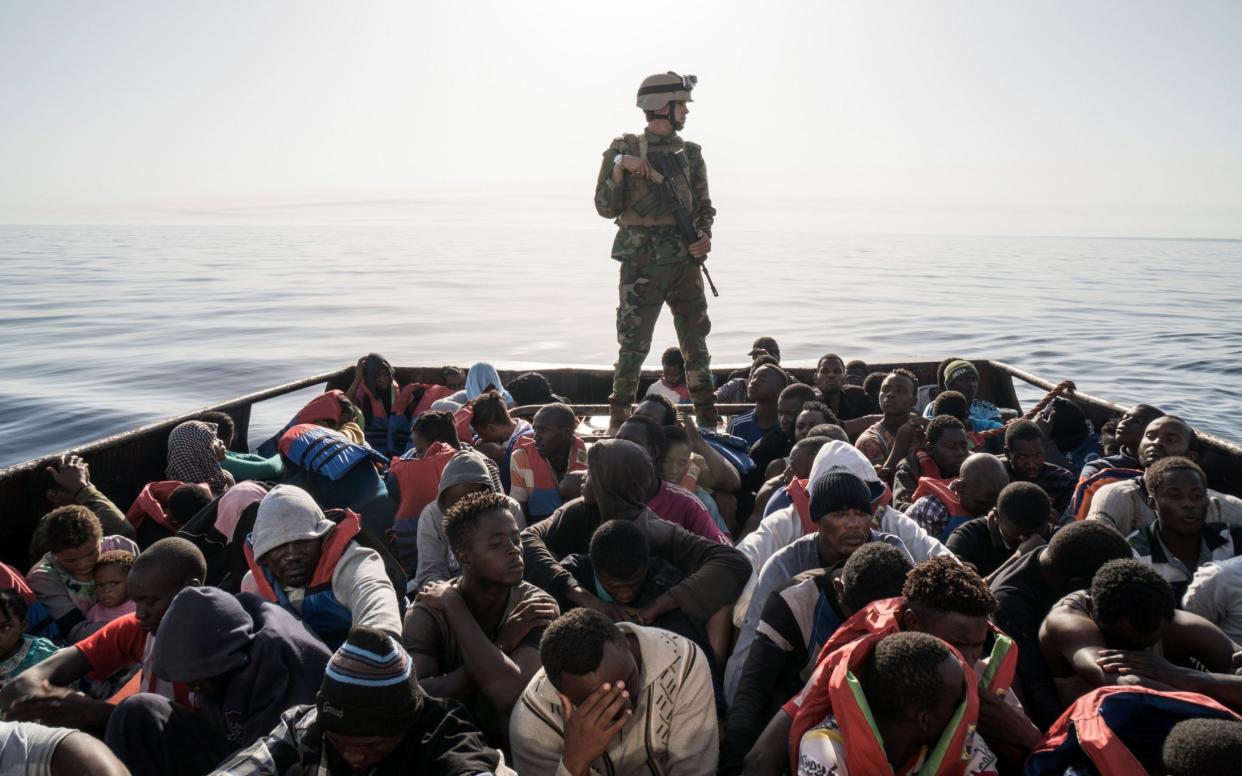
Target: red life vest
943 492
927 465
545 496
430 395
462 419
418 479
152 503
830 692
324 407
1095 724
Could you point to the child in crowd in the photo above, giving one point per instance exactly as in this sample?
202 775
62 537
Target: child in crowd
111 594
18 650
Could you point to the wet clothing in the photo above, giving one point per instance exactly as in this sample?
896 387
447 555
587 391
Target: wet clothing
656 265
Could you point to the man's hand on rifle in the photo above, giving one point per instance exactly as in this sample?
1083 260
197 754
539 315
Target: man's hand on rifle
701 247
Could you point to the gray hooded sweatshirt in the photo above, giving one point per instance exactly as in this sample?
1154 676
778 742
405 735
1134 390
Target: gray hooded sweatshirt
435 559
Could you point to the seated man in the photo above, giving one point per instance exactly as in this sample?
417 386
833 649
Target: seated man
1126 505
498 432
1215 594
621 699
774 494
245 660
370 716
940 507
1028 589
957 374
672 382
1125 630
668 501
897 397
1129 434
1180 539
316 569
619 480
468 471
1014 527
540 463
914 703
64 578
158 575
763 388
841 509
847 401
475 638
940 458
796 621
1024 461
620 569
764 350
777 443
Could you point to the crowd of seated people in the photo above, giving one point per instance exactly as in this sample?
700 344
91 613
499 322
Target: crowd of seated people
858 574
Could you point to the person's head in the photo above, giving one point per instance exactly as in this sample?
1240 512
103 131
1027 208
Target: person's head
45 483
871 385
465 473
676 455
960 375
1164 437
914 684
947 444
802 456
673 366
1132 604
949 600
1201 746
766 383
830 374
491 419
431 427
789 405
582 650
222 632
830 430
454 377
765 346
187 501
951 403
1070 427
1022 510
369 698
486 539
647 434
530 388
71 535
225 428
1133 423
1077 551
1177 491
619 556
159 573
980 480
554 427
856 372
874 572
1024 448
111 571
841 508
658 408
620 479
12 620
898 393
288 535
814 413
377 373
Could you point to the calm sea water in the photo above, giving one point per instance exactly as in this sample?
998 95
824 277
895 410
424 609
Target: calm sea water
105 328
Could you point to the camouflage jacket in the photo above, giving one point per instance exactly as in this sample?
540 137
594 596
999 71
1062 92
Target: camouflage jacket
611 199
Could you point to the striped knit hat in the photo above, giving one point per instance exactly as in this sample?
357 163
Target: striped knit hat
369 688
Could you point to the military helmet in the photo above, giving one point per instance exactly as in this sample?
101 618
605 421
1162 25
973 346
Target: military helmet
656 91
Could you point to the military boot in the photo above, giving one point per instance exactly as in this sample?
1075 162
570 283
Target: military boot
617 414
707 416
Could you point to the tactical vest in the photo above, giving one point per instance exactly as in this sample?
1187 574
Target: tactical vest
641 202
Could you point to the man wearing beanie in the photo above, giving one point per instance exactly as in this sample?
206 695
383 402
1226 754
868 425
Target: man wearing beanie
960 375
370 716
841 508
316 569
246 660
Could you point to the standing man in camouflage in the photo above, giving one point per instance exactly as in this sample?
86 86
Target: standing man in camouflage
658 266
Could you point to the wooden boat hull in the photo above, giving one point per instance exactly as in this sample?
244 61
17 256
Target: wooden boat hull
121 464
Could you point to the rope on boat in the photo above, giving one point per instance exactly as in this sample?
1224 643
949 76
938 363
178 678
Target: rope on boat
1057 390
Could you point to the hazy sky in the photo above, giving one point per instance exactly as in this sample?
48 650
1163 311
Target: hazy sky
1103 118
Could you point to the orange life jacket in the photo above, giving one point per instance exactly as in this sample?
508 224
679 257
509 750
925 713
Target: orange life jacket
418 479
325 406
545 496
944 493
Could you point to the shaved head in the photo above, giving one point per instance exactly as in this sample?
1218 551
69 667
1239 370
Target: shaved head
980 480
171 561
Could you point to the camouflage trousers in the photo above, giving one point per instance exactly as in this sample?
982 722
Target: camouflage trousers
645 288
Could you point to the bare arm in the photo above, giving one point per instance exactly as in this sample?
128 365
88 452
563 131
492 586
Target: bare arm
722 475
770 754
79 754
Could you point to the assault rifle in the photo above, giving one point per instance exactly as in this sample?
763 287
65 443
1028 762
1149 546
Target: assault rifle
664 167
